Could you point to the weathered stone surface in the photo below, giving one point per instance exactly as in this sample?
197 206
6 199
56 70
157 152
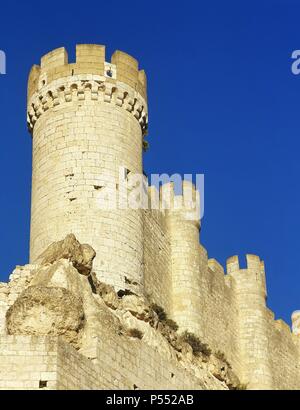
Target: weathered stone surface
107 292
138 307
60 273
43 310
222 371
80 255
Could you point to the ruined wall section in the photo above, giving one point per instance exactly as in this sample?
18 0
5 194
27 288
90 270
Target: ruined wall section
9 292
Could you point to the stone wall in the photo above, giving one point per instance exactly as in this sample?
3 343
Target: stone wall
158 280
232 314
219 311
27 362
130 363
34 363
284 354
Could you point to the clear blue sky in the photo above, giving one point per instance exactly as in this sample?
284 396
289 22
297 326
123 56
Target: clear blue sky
222 102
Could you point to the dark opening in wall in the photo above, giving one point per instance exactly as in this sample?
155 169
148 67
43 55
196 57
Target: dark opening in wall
43 384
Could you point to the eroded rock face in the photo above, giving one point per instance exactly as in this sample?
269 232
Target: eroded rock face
139 308
61 273
41 310
223 372
81 256
105 291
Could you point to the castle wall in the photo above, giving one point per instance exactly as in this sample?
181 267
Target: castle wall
75 371
43 362
198 294
218 310
25 361
158 279
34 363
128 363
284 354
233 317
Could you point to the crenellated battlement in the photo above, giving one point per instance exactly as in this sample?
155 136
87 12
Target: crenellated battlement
56 81
253 262
165 199
90 59
186 203
254 272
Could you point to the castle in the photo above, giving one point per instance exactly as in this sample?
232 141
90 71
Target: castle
140 306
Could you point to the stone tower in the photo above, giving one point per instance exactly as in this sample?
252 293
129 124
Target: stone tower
250 292
185 255
88 120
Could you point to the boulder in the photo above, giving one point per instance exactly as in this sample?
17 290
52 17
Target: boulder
41 310
69 248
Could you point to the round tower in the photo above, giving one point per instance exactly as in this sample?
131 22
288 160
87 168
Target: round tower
88 120
183 221
250 294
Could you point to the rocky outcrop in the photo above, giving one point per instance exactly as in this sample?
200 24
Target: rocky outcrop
80 255
59 299
50 311
60 296
105 291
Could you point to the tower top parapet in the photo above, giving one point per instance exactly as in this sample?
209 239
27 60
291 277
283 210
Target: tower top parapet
55 81
253 263
90 59
253 273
